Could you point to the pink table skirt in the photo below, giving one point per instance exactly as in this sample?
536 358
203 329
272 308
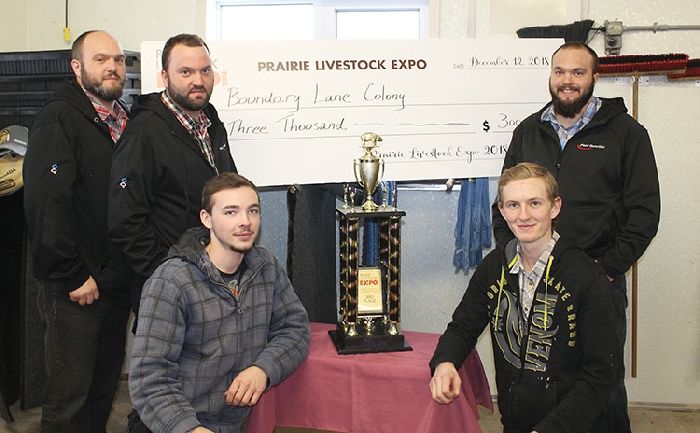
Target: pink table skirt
371 392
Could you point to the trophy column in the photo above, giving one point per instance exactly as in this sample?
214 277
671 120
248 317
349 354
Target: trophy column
349 264
369 295
389 253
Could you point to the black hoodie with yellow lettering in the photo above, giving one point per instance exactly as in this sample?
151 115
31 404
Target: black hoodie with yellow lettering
554 371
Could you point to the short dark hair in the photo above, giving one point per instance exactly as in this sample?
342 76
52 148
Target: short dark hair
76 51
221 182
184 39
528 170
575 45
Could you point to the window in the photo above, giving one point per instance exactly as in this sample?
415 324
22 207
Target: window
242 22
377 24
321 19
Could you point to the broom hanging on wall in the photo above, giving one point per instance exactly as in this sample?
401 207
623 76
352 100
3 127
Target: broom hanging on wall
692 72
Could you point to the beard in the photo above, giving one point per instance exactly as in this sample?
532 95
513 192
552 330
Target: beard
108 92
571 108
241 250
184 101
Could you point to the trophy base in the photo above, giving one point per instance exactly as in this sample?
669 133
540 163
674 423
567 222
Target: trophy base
363 342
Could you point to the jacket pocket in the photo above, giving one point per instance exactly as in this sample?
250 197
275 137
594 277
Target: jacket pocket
551 396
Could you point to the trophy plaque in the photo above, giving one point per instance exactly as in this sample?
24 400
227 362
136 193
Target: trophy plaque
369 294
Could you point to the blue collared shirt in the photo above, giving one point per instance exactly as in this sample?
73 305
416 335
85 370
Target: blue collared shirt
565 133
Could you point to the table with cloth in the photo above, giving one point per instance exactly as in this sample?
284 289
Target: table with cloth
371 392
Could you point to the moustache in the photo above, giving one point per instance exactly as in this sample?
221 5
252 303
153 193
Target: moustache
113 75
576 88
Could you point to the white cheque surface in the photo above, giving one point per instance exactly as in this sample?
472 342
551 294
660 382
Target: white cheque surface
445 108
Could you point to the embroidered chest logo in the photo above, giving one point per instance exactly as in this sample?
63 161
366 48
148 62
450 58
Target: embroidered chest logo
122 184
54 169
587 146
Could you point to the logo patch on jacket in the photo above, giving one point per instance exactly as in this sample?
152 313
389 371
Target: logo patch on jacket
123 183
587 146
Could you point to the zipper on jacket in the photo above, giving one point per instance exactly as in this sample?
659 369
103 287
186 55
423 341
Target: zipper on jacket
256 271
242 285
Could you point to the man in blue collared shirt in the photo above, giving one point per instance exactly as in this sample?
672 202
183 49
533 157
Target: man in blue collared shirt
606 170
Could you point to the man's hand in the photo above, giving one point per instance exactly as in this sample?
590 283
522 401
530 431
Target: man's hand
247 387
200 429
446 384
85 294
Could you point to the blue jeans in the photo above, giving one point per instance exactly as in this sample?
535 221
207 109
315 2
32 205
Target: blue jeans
616 411
84 353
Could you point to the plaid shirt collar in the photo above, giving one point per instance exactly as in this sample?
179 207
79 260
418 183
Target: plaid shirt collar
116 123
566 133
198 128
528 282
193 126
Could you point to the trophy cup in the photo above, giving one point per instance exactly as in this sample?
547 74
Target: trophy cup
367 169
369 293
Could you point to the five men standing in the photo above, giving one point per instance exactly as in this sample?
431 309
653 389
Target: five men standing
601 157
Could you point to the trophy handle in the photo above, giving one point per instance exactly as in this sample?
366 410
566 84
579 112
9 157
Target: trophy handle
381 174
356 168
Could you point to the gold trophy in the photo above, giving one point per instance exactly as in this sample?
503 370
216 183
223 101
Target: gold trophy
369 294
369 169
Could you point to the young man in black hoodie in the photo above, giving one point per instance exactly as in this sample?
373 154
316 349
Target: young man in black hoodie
83 280
549 310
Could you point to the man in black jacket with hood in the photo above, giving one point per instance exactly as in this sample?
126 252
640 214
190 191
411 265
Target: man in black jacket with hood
605 166
549 310
173 145
83 280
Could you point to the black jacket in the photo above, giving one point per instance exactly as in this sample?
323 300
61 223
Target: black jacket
156 184
608 182
66 181
554 375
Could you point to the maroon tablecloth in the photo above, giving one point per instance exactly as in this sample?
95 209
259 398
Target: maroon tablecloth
372 392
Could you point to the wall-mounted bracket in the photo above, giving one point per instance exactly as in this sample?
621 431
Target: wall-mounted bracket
613 37
614 29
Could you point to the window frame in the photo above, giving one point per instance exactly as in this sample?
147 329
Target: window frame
324 13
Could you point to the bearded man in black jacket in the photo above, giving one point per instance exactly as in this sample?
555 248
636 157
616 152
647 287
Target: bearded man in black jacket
173 145
83 279
605 166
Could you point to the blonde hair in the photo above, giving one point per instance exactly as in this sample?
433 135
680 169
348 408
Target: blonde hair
528 170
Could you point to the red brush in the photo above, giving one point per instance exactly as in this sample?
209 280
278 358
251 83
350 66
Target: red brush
644 64
692 72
